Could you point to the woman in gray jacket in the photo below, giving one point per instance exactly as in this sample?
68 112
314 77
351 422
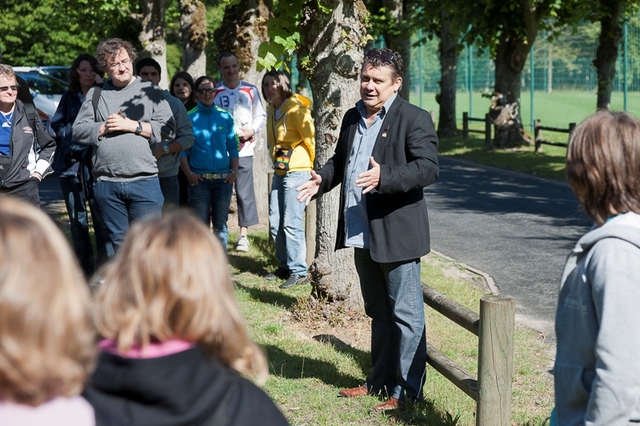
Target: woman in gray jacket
597 370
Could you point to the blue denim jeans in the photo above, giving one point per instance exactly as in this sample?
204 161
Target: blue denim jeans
76 198
211 198
392 294
286 222
122 203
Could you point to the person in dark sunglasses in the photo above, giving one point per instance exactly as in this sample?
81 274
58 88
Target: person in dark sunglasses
26 148
385 156
211 164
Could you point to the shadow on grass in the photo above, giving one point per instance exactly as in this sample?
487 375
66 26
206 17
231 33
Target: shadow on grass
260 261
362 358
274 297
287 366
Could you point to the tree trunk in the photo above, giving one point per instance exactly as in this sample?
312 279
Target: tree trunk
607 52
332 46
152 36
398 38
243 29
449 51
511 55
193 28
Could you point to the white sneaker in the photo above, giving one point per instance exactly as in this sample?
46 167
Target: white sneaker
243 244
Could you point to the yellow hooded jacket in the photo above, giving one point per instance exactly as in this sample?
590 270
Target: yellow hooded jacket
293 129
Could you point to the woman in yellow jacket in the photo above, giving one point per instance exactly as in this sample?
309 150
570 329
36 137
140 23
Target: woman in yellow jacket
291 137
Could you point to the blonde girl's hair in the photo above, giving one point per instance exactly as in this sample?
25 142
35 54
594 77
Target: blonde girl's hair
47 341
170 280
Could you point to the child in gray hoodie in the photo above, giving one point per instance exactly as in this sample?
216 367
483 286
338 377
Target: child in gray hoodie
597 367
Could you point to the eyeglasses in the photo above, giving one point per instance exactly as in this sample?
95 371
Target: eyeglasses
5 88
116 65
205 91
383 56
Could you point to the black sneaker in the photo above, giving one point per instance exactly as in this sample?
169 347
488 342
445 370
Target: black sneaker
282 273
294 279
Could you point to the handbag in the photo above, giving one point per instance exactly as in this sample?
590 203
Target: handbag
282 159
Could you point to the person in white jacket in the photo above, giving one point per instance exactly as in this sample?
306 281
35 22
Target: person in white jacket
242 100
597 373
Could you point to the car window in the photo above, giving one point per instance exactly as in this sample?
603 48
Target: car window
43 84
57 72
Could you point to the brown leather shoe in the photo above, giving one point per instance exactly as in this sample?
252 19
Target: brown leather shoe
389 405
354 392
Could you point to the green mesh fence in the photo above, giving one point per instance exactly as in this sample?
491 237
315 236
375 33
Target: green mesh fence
558 81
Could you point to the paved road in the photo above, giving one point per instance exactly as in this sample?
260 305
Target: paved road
516 228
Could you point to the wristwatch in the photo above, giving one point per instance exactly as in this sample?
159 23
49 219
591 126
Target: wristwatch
139 128
165 149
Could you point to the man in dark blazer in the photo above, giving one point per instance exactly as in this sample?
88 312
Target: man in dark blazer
386 155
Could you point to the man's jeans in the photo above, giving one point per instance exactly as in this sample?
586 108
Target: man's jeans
393 300
286 222
122 203
76 201
212 197
170 192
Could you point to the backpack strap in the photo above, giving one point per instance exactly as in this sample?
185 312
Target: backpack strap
31 112
97 91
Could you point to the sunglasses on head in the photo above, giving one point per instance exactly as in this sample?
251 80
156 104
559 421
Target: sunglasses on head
383 56
5 88
205 91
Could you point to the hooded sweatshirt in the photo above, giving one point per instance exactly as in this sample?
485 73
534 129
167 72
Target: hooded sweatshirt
292 128
597 368
187 388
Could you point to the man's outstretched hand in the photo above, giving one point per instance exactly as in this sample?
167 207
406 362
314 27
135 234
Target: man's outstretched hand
310 188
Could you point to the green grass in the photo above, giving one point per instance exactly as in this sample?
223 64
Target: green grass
556 109
312 359
549 163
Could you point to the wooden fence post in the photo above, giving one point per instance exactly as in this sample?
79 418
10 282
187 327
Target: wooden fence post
495 360
571 127
536 134
465 125
487 129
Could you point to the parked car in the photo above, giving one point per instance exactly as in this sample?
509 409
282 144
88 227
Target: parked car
59 72
46 92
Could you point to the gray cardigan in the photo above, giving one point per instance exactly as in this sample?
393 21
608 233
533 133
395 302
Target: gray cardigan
125 156
597 367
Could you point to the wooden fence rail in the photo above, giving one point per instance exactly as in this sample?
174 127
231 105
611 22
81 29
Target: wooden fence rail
494 328
487 127
538 128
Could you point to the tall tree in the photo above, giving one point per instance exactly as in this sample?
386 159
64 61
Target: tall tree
193 30
509 28
438 20
329 38
32 33
242 31
395 21
152 35
611 15
449 50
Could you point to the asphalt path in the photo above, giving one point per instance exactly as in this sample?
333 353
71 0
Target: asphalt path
514 227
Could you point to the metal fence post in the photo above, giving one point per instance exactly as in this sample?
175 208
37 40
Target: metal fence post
495 360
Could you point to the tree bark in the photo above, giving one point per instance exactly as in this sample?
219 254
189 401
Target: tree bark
193 29
449 51
152 36
243 29
398 38
511 55
607 51
330 55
